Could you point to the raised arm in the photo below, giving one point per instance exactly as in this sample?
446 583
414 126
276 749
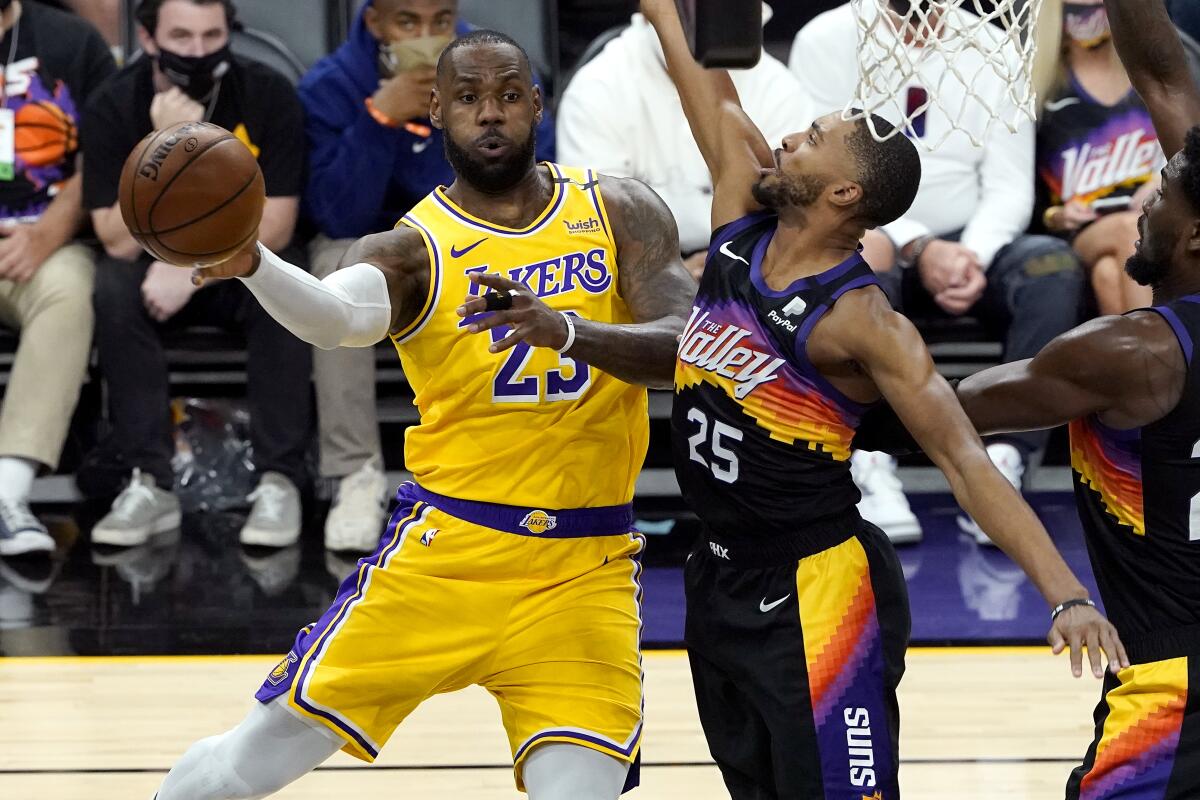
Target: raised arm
651 279
1149 46
889 349
1072 377
733 147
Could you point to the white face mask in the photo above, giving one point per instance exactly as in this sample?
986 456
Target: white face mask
409 54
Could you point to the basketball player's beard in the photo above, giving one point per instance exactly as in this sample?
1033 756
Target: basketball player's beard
492 177
798 192
1145 271
1147 268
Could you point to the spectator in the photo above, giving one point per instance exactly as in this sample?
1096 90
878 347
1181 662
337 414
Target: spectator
963 239
188 75
621 116
373 154
1098 155
55 62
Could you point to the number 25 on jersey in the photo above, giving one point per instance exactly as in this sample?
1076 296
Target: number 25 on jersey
723 461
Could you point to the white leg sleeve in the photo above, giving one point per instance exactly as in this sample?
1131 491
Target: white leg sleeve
572 772
350 308
269 749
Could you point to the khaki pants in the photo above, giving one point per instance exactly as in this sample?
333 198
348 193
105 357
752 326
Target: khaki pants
346 416
53 313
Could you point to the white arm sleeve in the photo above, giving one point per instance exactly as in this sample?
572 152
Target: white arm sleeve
350 308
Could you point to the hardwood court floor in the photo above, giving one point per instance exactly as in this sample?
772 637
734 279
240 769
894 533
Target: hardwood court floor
984 723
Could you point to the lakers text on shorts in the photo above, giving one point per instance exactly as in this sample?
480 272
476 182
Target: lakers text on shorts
546 618
796 667
1147 743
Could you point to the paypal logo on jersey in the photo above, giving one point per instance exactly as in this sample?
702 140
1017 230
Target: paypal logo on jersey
717 348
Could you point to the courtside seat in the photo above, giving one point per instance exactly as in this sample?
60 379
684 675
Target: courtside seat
306 28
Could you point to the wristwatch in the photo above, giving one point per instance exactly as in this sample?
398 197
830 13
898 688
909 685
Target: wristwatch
915 248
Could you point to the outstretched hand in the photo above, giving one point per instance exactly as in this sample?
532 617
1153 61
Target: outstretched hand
1084 626
532 321
241 265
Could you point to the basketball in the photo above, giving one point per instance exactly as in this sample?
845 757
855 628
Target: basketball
192 194
44 135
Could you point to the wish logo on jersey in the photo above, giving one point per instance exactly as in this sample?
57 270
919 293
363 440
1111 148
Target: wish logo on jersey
724 345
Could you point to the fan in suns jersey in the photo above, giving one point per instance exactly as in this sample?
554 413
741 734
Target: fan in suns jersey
1130 389
511 562
797 616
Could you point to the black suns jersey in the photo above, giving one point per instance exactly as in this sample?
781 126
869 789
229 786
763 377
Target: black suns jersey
761 439
1138 493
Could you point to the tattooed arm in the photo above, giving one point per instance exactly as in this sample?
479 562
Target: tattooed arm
1130 370
1149 46
652 280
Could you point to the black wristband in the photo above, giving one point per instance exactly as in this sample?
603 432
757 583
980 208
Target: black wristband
1061 607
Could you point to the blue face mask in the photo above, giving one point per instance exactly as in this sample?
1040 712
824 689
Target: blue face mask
1086 24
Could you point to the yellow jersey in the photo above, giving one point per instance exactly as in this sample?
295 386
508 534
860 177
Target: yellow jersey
527 426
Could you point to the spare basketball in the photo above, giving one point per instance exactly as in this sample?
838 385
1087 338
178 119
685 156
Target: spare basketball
44 134
192 194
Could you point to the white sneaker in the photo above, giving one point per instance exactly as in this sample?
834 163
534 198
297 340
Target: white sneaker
883 502
20 531
140 511
1008 460
356 518
274 519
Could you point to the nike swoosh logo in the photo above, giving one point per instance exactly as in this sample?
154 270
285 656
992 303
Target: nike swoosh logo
725 251
1061 104
456 253
419 147
764 606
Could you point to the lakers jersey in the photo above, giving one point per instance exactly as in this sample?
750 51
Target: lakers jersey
761 438
527 426
1138 493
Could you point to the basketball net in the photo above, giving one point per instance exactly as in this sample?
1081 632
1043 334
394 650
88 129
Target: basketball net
963 60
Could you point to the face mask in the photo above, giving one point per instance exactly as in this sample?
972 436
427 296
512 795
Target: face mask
196 75
1086 25
409 54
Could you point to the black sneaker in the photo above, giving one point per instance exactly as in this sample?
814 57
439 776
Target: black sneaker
21 532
